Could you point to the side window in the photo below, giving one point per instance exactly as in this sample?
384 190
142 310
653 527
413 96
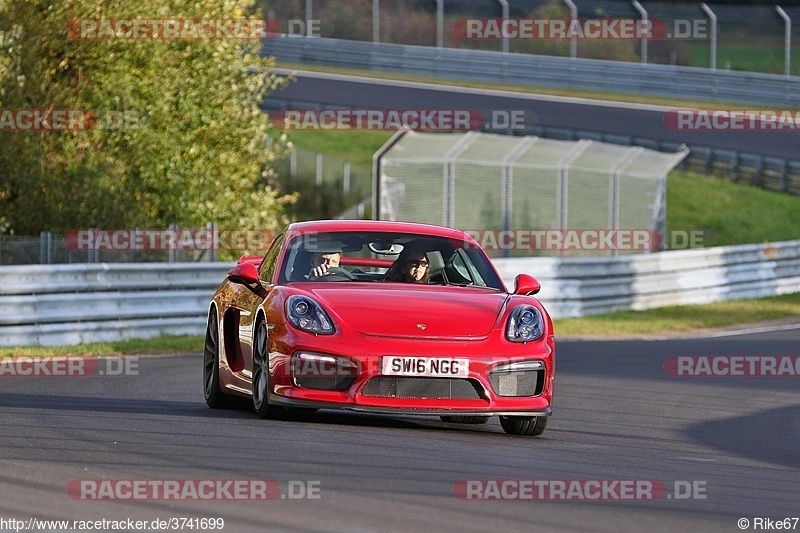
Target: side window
268 264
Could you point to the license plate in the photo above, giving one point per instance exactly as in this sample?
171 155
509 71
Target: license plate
425 366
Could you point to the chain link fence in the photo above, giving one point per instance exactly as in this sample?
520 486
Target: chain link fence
482 181
755 38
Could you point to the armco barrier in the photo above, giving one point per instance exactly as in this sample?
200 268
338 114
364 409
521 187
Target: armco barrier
72 304
544 71
581 286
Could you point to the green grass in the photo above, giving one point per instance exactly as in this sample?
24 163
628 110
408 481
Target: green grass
743 57
681 318
730 213
159 345
354 146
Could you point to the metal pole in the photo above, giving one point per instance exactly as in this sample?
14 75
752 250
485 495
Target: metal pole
713 18
309 15
788 46
42 248
645 28
504 5
318 168
173 251
346 184
377 168
212 227
376 21
440 23
573 15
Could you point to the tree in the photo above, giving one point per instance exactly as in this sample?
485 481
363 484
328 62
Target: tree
179 137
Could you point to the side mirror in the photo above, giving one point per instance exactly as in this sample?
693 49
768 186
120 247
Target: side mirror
247 274
525 284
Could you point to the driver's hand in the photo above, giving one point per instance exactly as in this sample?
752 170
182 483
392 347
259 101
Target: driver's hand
318 271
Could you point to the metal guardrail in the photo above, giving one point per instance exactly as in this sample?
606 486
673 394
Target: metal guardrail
566 73
573 287
72 304
54 305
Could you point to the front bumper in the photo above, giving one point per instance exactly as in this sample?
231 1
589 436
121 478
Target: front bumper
399 411
368 351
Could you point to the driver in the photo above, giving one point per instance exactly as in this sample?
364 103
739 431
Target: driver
321 262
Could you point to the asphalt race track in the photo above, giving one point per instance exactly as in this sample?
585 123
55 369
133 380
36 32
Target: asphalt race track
618 416
313 90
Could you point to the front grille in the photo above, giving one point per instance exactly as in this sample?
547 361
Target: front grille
411 387
523 383
324 382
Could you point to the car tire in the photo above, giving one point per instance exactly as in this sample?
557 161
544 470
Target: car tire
530 426
261 375
465 419
215 398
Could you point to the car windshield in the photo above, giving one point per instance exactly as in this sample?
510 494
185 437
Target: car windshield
386 258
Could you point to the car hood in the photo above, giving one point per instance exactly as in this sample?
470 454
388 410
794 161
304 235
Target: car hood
425 311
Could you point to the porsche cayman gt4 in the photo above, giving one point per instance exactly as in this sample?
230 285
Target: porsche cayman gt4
380 317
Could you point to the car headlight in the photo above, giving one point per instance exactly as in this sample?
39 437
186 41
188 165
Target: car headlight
525 324
307 315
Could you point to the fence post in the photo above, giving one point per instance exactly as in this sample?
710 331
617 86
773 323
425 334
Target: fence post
45 253
713 18
376 21
346 179
504 5
573 16
318 169
563 180
440 23
785 176
449 177
787 40
173 252
212 228
645 27
309 15
507 183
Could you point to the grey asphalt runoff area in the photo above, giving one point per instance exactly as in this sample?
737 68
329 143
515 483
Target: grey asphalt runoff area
617 416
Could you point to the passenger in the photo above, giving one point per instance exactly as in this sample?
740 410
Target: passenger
411 266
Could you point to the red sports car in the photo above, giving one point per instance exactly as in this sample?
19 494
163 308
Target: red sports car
380 317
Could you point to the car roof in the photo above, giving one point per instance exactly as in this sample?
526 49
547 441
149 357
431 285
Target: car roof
320 226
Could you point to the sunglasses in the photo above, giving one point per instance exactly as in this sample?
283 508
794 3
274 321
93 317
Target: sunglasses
417 264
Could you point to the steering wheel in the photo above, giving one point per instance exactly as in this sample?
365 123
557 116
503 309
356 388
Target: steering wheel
334 274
